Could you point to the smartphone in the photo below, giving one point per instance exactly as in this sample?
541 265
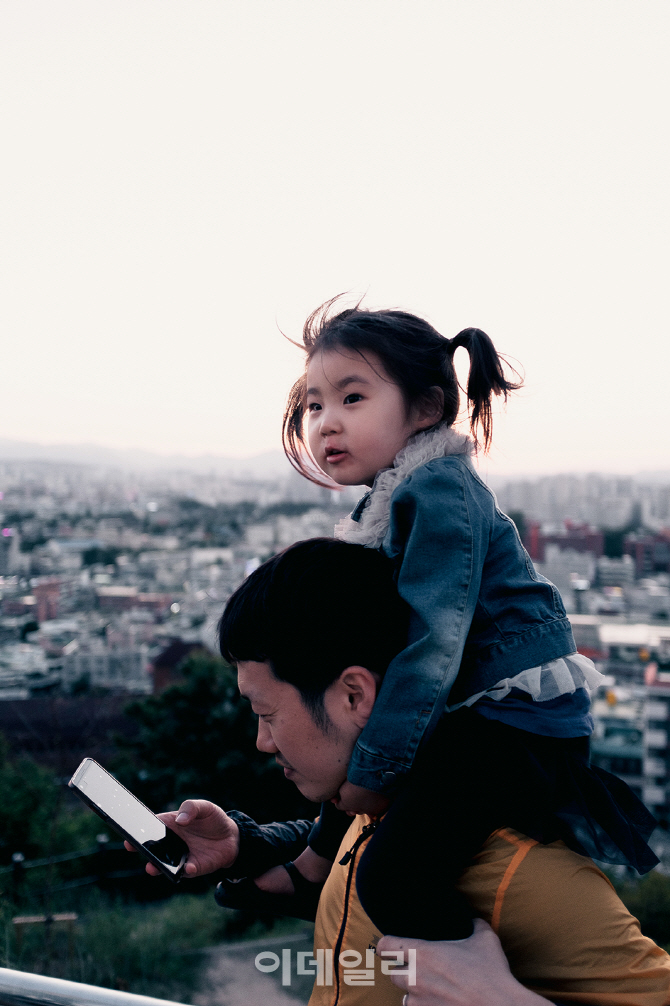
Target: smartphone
117 806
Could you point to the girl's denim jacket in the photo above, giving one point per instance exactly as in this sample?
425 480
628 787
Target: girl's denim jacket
479 611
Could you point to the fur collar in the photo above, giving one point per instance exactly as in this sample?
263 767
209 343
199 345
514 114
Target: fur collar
370 529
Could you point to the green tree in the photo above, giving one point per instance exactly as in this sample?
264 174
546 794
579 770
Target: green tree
39 818
28 798
198 739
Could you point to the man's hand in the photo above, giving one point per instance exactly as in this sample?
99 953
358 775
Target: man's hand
212 837
472 972
359 800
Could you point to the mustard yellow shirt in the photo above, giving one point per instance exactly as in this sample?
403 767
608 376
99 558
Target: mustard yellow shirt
566 933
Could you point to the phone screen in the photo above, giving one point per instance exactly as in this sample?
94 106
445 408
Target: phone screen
135 821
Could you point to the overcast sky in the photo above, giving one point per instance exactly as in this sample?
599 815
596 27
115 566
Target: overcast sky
180 178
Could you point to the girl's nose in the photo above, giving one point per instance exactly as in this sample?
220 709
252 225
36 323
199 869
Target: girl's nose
264 741
329 423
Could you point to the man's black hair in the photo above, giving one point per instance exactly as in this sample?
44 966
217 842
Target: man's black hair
313 610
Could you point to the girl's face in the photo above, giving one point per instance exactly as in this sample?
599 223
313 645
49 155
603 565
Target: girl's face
357 417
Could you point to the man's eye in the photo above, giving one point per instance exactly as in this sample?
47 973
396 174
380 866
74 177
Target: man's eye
350 399
313 407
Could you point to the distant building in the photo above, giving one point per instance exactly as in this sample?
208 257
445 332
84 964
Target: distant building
116 599
113 670
22 665
615 572
650 552
68 552
207 556
10 551
18 606
165 670
47 595
649 599
158 604
631 740
617 744
586 630
603 500
574 537
570 571
632 712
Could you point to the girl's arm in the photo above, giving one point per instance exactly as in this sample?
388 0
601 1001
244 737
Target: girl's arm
439 532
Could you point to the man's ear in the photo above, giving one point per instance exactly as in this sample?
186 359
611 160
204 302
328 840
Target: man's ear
356 693
428 410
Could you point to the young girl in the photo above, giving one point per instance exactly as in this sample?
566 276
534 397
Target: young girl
483 720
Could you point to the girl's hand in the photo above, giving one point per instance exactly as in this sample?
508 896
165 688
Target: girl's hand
472 972
359 800
313 868
212 837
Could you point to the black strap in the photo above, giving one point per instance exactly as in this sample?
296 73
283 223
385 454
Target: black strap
245 895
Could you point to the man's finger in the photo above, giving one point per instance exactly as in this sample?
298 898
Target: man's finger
396 943
167 816
186 813
129 847
152 870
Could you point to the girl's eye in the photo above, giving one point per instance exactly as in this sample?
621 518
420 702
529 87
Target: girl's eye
350 399
313 407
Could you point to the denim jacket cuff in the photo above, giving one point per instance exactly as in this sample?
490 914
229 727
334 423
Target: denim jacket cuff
375 773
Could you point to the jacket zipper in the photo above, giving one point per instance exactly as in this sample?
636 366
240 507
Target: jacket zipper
349 859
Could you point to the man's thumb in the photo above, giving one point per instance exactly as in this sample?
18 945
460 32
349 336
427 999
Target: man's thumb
186 812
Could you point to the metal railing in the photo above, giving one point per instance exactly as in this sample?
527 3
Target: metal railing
99 852
19 863
21 988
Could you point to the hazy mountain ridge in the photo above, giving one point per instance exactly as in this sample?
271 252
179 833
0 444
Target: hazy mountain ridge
269 464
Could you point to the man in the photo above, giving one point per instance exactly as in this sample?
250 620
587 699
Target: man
311 632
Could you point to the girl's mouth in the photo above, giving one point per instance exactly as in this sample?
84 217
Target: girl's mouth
333 455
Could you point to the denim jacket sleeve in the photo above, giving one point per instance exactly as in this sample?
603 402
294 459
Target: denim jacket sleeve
438 536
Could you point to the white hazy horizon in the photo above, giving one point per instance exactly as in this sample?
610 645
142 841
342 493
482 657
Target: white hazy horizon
180 181
268 464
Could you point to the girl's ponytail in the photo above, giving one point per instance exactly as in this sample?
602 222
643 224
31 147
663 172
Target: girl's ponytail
486 378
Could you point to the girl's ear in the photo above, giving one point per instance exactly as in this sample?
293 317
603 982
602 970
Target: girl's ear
429 410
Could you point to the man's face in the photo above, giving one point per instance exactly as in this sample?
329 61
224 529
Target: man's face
315 759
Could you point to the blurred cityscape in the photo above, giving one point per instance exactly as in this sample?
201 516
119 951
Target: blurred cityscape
101 571
605 543
109 578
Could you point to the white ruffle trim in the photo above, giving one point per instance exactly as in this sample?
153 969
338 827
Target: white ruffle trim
439 442
559 677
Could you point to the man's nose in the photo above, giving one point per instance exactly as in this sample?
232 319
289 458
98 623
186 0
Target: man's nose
264 741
